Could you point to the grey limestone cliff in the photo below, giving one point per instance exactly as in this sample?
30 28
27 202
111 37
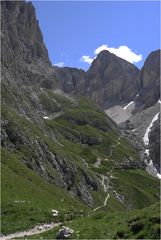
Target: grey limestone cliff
112 80
154 144
150 80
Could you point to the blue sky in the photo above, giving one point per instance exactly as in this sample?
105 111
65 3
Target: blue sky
72 30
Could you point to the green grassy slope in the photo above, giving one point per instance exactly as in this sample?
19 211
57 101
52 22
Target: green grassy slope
80 135
136 224
20 183
87 131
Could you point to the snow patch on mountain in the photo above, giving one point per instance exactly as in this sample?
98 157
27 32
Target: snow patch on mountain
128 106
146 135
150 166
119 113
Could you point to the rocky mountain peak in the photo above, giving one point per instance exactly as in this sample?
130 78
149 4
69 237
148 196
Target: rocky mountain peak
111 79
106 59
21 34
151 70
150 80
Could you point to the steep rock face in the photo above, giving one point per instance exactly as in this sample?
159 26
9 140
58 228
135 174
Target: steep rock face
25 63
154 144
111 80
150 79
71 80
25 58
21 34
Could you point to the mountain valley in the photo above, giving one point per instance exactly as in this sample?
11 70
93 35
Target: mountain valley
73 141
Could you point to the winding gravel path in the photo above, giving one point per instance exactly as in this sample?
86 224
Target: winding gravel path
106 185
105 203
114 146
36 230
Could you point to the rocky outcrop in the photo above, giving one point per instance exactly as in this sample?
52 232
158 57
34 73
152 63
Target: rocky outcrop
150 80
71 80
154 144
25 58
64 233
21 34
111 80
25 64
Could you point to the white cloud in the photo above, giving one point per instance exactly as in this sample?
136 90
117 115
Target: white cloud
122 52
59 64
101 48
87 59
